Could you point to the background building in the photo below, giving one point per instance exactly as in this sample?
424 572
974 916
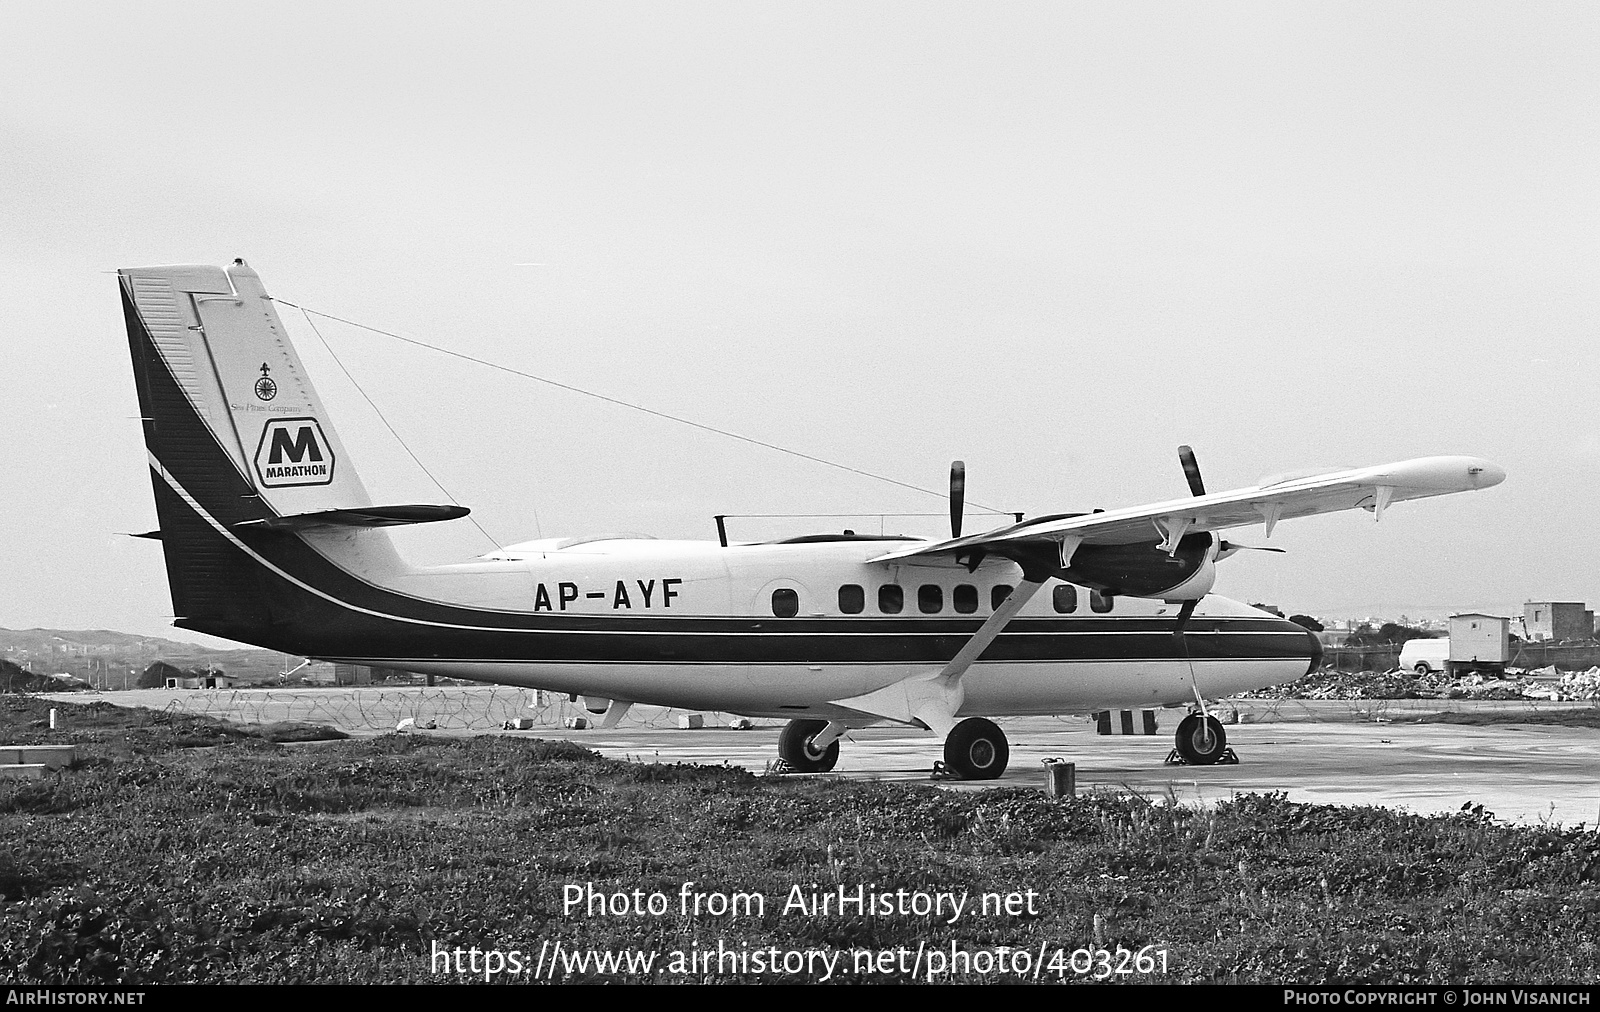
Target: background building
1557 620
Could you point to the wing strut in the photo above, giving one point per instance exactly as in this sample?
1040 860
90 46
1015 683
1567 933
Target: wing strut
990 630
1184 611
933 699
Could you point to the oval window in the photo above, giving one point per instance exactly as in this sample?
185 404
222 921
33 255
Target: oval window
852 599
965 598
785 603
1065 598
998 595
891 599
1100 602
930 598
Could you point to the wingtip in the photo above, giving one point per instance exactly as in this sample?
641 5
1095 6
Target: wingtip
1485 474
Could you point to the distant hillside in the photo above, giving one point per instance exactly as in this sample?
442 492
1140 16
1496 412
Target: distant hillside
108 658
44 639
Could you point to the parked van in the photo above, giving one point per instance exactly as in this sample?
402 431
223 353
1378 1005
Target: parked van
1425 656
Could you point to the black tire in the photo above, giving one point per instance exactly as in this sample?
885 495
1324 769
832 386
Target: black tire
1201 740
794 747
1423 669
976 750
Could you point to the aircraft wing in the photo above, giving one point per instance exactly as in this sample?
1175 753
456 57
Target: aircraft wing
1371 488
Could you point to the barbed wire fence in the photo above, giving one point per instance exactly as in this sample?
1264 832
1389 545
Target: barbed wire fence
488 708
476 709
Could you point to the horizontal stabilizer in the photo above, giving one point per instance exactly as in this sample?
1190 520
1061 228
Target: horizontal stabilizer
360 516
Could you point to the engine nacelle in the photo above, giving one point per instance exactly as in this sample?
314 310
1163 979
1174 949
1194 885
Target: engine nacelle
1143 569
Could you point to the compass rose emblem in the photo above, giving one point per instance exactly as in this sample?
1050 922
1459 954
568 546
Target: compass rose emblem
265 388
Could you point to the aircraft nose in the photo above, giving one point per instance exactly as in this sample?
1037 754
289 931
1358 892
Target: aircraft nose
1482 474
1314 643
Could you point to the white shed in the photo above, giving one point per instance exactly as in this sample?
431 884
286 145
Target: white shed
1481 640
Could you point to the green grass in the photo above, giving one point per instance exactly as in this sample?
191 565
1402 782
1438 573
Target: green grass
181 849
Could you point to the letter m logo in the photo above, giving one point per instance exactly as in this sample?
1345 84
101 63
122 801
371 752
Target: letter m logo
293 451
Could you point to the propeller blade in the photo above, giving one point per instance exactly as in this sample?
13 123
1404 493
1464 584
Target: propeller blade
1227 548
958 495
1191 470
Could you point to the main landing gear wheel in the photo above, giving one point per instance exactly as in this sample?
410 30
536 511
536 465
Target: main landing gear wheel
976 750
1201 740
794 747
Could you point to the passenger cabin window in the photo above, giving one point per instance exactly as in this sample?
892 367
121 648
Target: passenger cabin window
965 598
1099 602
891 598
785 603
852 599
1065 598
998 595
930 599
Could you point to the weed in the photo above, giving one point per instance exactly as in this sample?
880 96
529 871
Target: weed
146 863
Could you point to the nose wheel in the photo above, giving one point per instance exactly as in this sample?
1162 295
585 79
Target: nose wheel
1200 741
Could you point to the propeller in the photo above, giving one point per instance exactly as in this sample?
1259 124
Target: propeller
1191 471
958 495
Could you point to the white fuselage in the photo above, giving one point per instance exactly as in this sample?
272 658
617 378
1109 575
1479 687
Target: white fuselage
781 630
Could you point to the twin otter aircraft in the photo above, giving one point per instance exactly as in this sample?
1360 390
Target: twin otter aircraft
271 539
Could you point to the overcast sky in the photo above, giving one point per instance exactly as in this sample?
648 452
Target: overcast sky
1054 240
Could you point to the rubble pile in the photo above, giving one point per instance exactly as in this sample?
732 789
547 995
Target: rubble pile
1581 684
1544 683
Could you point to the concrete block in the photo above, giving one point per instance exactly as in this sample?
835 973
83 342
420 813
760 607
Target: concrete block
27 771
690 721
53 756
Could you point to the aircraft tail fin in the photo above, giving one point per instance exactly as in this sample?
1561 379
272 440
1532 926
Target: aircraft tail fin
217 335
241 448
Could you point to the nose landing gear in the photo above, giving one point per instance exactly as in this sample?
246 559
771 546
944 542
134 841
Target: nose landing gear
1200 741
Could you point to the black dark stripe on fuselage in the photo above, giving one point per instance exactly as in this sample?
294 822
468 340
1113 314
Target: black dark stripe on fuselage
219 588
307 623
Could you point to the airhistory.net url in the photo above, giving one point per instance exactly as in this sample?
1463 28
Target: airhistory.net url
556 961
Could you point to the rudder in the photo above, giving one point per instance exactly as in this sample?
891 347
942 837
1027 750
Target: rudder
217 334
